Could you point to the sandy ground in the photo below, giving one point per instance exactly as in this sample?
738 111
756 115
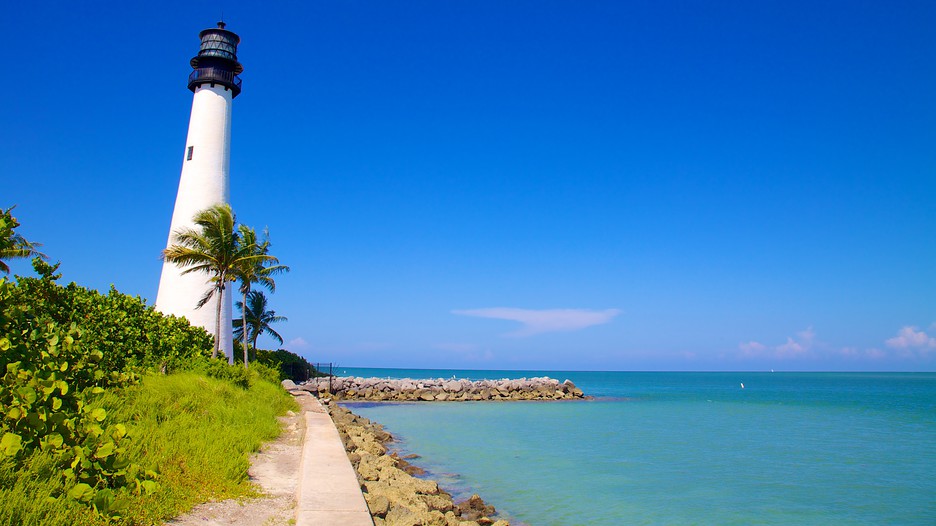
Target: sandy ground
275 469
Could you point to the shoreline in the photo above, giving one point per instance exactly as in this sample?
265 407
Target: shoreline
390 484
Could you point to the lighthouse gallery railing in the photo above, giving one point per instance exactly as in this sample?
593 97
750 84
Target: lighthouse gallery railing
214 75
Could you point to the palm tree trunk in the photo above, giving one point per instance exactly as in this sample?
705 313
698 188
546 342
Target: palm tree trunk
218 321
244 319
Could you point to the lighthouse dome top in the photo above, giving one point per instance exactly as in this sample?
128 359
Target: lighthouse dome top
218 43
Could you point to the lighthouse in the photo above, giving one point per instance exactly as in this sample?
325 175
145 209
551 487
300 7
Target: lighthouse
204 181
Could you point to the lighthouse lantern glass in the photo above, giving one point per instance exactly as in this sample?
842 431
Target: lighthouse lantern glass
215 45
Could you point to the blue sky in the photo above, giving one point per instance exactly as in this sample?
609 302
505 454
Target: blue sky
665 185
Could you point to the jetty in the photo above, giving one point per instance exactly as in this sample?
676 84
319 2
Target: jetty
441 390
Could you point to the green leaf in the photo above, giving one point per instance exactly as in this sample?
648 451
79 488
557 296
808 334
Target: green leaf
103 499
63 367
53 440
81 492
56 404
27 394
4 344
35 421
11 444
119 505
149 486
14 413
119 431
105 450
99 414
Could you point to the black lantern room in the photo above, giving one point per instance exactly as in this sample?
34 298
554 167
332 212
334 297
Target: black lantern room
216 62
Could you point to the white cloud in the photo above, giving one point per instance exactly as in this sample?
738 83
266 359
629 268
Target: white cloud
752 348
547 320
909 337
297 344
793 348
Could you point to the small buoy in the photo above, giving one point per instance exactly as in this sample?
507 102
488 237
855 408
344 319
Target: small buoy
742 385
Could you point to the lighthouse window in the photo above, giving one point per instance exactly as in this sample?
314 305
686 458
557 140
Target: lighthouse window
191 149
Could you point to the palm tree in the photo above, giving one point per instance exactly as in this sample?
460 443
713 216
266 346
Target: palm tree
215 249
256 319
13 245
260 271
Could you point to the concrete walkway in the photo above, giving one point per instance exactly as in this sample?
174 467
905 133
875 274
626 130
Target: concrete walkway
328 494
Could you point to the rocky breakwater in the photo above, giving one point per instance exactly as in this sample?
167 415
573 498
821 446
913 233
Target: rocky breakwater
395 497
441 390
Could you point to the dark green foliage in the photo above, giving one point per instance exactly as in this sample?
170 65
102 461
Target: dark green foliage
123 328
290 365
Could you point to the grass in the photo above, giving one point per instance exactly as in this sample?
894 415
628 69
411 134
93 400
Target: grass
196 432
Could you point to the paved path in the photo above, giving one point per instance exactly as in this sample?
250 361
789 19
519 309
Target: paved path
328 494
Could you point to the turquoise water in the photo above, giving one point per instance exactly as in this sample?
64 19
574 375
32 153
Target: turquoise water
686 448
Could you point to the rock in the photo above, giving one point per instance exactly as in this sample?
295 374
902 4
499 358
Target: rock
441 503
426 487
379 504
368 467
501 522
289 385
541 388
402 516
474 508
435 518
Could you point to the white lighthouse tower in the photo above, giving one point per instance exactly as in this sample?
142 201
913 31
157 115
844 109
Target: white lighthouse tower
204 181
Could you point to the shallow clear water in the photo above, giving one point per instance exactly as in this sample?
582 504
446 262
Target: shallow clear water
686 448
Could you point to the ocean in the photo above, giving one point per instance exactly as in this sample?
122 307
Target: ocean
684 448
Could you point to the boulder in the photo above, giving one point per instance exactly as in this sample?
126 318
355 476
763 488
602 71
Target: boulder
403 516
439 502
379 505
474 508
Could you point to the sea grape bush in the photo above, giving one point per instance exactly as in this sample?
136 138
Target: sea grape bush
128 332
61 350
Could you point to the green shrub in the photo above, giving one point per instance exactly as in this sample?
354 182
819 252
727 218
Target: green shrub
219 368
290 365
266 372
236 374
48 392
61 350
130 334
